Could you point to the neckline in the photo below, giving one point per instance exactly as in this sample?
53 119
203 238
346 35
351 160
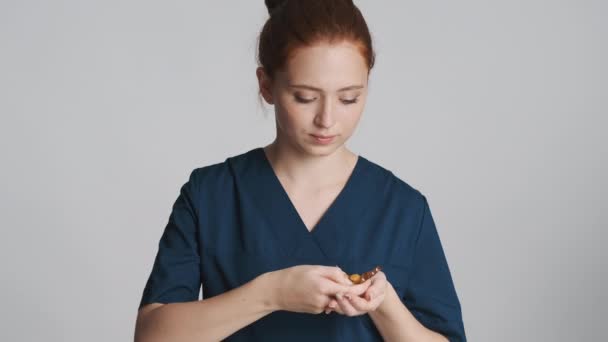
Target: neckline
289 203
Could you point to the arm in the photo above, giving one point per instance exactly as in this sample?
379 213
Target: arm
211 319
176 279
429 309
396 323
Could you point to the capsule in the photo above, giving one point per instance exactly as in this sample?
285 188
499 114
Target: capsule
358 279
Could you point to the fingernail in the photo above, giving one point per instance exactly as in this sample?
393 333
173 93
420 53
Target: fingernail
339 296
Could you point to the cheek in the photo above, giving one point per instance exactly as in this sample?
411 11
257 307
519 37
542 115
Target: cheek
351 117
290 120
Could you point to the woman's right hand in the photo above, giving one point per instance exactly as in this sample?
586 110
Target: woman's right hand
310 288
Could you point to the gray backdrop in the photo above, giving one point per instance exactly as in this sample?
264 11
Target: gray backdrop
495 110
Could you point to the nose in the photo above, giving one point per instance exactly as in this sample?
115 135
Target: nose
325 117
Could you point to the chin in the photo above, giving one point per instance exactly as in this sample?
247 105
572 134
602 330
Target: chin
321 150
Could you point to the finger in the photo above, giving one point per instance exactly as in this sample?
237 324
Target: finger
331 288
338 309
335 306
331 306
359 289
372 292
345 306
377 288
335 273
363 305
360 304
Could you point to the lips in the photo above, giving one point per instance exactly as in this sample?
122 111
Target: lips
323 136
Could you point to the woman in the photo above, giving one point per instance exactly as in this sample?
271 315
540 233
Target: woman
272 234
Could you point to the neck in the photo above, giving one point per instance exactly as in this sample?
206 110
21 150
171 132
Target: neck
301 168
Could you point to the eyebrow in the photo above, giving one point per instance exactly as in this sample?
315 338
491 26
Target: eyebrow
304 86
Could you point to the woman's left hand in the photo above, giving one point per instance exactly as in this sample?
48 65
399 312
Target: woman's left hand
350 304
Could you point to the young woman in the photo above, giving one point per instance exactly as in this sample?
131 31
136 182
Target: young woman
273 233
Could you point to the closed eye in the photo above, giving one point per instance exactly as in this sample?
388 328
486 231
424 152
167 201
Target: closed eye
345 101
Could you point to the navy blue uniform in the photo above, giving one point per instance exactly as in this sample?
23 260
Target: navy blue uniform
233 221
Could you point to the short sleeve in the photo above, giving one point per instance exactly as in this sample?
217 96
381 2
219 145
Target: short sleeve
430 294
175 275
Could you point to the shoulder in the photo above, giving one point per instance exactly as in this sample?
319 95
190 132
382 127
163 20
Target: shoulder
218 175
396 187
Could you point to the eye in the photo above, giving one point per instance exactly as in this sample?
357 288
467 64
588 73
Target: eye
347 102
344 101
303 100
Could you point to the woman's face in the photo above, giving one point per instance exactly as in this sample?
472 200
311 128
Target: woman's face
321 92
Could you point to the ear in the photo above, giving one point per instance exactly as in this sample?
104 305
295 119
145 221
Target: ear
265 84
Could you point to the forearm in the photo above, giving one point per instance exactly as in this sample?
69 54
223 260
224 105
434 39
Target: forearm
396 323
211 319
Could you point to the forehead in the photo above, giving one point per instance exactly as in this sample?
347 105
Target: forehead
326 66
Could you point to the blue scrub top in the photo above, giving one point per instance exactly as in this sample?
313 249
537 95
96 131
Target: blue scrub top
233 221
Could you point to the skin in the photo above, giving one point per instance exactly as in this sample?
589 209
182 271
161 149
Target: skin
311 174
301 164
302 288
322 91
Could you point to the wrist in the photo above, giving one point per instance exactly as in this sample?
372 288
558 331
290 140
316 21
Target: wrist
267 288
390 296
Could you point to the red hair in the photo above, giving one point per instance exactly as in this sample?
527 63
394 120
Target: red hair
298 23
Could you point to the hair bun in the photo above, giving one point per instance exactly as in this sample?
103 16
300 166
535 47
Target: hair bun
272 5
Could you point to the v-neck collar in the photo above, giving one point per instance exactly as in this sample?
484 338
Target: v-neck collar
289 203
263 186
